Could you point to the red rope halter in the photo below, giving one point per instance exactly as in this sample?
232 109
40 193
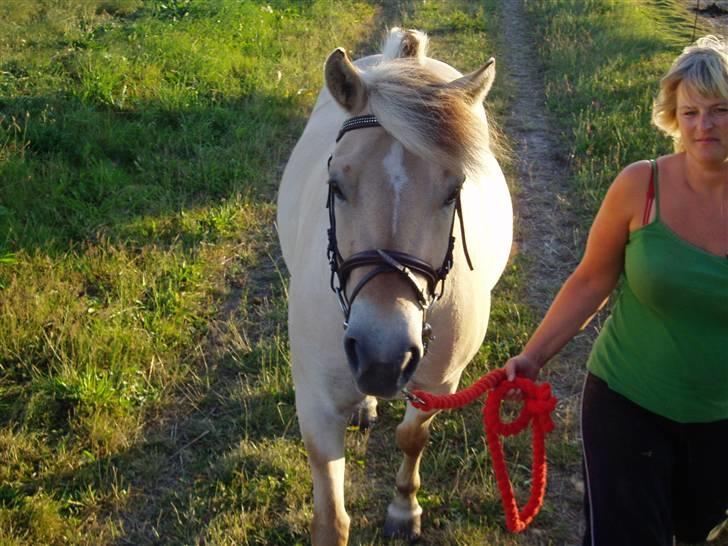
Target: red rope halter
537 408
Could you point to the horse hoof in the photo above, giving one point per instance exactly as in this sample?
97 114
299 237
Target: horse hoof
362 420
365 415
403 529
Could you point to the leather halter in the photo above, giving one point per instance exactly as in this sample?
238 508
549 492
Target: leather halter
387 261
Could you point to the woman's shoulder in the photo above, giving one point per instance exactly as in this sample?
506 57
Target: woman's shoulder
627 196
636 172
636 176
633 180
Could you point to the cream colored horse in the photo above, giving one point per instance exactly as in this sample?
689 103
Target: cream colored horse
393 185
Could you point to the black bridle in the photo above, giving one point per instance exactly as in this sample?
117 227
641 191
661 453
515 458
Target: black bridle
387 261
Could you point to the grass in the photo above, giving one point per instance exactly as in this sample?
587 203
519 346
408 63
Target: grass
140 148
145 396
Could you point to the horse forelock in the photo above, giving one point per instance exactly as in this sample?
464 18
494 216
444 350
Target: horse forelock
405 43
431 120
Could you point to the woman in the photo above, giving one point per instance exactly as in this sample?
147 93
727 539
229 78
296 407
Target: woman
655 401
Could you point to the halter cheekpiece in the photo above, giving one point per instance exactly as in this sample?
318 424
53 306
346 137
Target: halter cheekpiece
388 261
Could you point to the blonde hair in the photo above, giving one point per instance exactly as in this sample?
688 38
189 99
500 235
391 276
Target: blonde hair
704 67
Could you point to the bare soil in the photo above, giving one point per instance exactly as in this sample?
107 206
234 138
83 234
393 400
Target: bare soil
711 15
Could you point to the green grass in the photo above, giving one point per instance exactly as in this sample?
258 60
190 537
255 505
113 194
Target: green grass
145 393
140 148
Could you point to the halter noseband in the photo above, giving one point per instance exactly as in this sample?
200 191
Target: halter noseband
387 261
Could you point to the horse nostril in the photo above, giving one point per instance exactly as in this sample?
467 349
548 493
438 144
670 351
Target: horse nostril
411 363
351 353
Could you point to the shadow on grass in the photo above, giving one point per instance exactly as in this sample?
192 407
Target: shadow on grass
195 458
236 451
74 171
225 445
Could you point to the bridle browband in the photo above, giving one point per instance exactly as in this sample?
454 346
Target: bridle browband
358 122
387 261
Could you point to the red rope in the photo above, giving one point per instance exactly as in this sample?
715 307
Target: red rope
537 408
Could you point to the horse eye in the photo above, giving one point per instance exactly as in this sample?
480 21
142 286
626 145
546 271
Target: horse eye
454 194
336 190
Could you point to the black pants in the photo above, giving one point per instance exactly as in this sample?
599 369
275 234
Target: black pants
648 478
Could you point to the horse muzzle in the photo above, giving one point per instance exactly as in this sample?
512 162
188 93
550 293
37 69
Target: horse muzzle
381 365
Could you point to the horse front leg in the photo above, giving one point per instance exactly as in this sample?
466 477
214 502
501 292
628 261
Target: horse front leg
404 513
323 431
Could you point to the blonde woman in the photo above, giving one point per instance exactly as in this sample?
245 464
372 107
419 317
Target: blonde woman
655 401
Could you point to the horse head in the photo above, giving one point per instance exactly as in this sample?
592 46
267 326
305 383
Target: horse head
395 177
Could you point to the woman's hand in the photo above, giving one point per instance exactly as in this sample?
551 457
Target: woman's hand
522 366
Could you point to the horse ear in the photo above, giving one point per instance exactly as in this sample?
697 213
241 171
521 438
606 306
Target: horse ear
344 82
477 84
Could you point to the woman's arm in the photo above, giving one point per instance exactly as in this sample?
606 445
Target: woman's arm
588 287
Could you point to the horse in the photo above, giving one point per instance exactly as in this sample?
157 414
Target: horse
394 218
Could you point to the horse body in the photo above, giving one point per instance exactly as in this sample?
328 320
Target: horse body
388 195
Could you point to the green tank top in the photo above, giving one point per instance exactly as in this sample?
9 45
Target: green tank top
665 344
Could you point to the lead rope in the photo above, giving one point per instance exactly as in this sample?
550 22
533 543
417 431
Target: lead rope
537 408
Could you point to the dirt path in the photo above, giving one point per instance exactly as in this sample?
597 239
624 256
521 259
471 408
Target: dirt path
544 222
712 15
547 237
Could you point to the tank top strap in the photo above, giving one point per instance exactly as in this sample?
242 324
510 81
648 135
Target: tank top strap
652 195
656 184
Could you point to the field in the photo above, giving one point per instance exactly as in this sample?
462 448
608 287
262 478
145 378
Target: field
145 391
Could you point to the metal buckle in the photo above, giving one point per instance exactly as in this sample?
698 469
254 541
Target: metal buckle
343 303
411 397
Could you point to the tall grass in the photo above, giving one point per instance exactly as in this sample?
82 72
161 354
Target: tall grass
150 110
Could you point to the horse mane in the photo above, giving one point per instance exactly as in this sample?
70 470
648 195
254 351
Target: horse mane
405 43
413 103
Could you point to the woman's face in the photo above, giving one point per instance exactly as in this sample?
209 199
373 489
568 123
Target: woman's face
703 124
